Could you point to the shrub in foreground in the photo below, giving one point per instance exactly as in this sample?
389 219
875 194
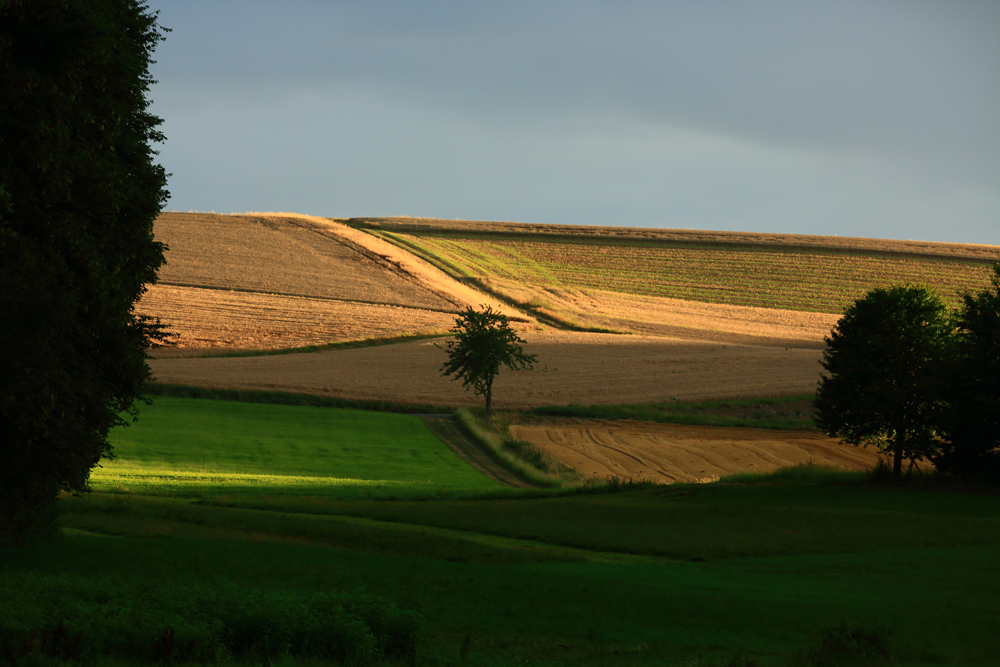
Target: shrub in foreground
80 619
848 645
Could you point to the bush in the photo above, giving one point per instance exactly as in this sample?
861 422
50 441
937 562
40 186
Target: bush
846 645
77 618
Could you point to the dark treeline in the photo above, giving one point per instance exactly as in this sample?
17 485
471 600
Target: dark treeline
916 380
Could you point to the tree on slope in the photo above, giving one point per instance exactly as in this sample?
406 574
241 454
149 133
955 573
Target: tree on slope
483 343
78 195
883 359
971 423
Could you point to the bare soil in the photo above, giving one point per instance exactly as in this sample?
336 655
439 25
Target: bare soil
573 367
669 453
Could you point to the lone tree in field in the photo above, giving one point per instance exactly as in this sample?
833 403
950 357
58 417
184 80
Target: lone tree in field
78 195
971 386
483 343
883 359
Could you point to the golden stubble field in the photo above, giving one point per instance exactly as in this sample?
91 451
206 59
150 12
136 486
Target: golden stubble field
669 453
674 318
267 281
573 367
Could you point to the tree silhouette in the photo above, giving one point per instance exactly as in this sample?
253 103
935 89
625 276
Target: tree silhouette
971 382
483 343
883 359
78 195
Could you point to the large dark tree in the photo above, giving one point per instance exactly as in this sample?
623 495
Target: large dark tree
971 384
883 359
483 343
78 195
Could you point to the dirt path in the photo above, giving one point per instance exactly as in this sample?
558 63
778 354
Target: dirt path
471 452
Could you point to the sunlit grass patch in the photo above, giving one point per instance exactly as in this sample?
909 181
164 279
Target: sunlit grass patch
183 446
193 484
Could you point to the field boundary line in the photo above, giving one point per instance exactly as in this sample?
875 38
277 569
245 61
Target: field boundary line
244 290
447 431
430 258
382 260
603 234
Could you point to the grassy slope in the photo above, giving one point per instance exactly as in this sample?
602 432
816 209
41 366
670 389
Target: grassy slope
198 446
896 556
644 575
794 279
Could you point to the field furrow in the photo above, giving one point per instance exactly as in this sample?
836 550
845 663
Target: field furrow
792 279
670 453
219 319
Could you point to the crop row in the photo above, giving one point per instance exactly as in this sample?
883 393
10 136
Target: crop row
789 279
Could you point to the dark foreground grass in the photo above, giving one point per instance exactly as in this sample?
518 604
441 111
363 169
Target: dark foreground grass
802 567
728 585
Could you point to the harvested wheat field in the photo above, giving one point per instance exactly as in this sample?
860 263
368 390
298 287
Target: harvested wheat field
210 319
669 453
573 367
265 281
674 318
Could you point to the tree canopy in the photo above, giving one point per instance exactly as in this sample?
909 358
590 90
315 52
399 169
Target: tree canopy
971 384
79 192
884 361
483 343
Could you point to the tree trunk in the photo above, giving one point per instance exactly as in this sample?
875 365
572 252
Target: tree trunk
489 396
897 460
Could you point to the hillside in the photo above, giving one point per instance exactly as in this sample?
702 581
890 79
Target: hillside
751 288
272 281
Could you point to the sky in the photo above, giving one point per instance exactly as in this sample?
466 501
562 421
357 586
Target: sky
872 118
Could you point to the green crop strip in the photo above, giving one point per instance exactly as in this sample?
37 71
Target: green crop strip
766 277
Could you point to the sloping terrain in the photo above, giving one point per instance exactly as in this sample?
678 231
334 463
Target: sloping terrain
266 281
221 319
749 288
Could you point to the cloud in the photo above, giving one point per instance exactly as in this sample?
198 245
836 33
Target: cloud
706 114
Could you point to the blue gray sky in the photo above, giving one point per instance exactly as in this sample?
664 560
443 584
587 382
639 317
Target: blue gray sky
871 118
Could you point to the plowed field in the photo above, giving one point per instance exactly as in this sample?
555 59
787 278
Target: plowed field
265 281
218 319
675 453
573 367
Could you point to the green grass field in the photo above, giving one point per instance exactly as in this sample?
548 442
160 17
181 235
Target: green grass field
745 276
748 571
196 447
